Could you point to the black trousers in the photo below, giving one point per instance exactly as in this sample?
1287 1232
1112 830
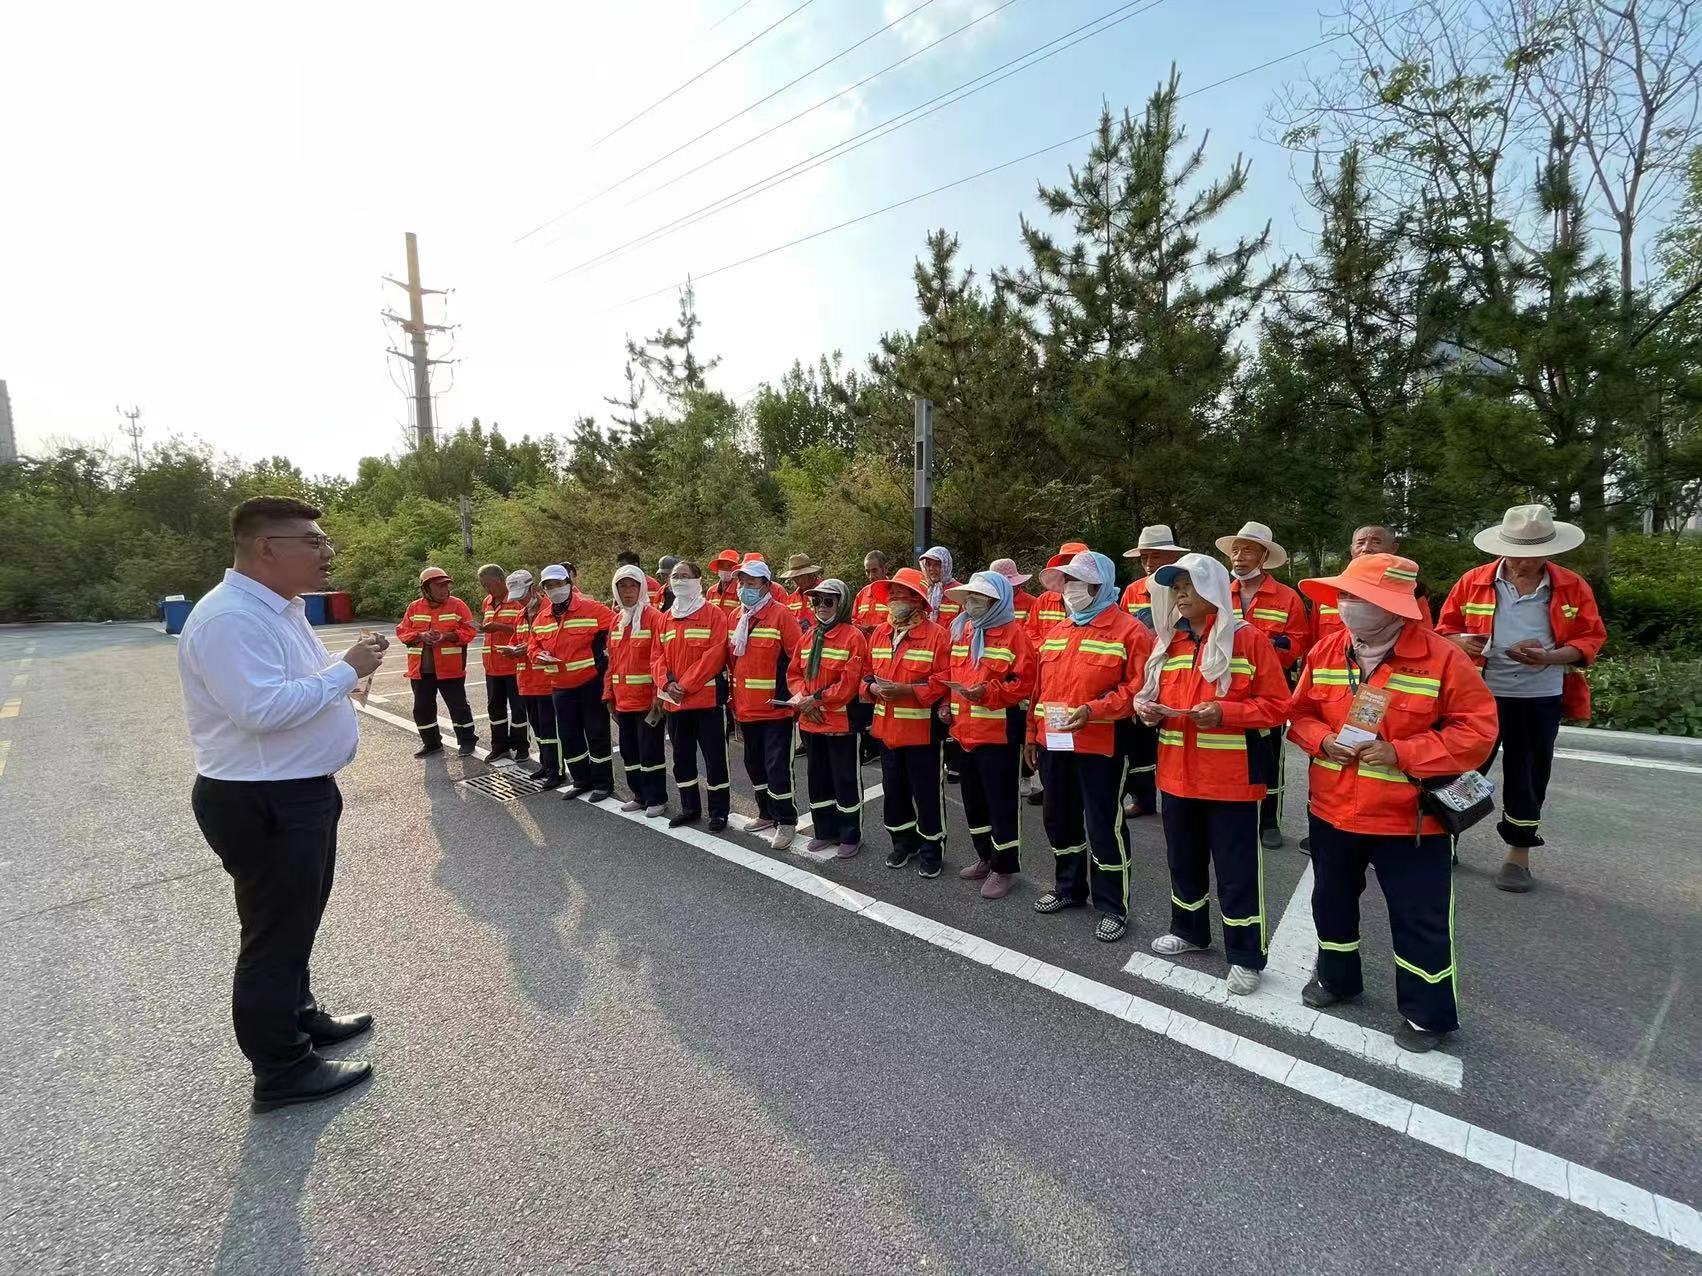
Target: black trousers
768 762
644 757
427 688
1203 836
1139 743
1270 807
862 715
582 732
913 797
541 713
506 712
695 731
278 841
1418 883
991 774
1083 813
835 775
1529 729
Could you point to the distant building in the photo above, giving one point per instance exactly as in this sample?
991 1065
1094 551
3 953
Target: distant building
8 441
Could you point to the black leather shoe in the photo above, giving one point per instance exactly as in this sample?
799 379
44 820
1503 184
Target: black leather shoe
1408 1036
426 750
600 795
574 790
1316 995
717 823
546 781
328 1030
684 817
498 755
317 1079
466 747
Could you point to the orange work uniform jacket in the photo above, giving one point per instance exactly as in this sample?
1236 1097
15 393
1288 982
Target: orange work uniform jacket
453 619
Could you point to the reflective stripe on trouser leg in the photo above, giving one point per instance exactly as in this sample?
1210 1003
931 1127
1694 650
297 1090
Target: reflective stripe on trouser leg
992 773
425 710
499 693
1418 885
1100 783
1187 847
1061 812
1528 731
756 766
682 731
772 751
1238 861
972 788
848 781
1338 880
454 692
712 739
819 786
541 711
1143 764
898 801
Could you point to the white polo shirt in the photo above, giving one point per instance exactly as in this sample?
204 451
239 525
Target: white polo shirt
264 698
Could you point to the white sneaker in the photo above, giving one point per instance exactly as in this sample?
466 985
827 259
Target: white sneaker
1243 981
1130 806
1172 945
660 809
783 835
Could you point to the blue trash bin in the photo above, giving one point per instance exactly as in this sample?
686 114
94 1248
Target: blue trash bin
317 609
176 612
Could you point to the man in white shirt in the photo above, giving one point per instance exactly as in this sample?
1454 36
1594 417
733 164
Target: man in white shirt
270 719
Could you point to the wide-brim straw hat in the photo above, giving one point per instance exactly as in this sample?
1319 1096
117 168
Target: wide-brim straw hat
800 565
1155 536
1529 531
1006 567
1387 580
1275 555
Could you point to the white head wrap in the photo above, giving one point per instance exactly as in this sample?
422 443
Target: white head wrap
627 617
1211 582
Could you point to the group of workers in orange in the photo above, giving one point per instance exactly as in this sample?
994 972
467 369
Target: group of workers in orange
1092 700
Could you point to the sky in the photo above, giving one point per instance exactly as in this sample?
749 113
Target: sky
201 200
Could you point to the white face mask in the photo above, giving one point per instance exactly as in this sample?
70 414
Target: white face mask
1078 596
901 611
977 607
725 577
558 593
1252 575
688 590
1369 624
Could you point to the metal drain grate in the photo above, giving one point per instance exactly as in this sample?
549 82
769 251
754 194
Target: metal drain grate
504 786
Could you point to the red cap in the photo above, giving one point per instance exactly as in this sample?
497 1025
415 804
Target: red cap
911 579
728 558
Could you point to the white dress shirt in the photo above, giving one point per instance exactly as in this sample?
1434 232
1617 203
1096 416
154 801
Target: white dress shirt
265 699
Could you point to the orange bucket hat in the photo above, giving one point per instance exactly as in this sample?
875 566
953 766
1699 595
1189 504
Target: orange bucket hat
1388 580
911 579
1066 551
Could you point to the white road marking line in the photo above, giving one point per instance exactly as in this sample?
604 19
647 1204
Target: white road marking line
808 822
25 660
5 748
20 680
1293 950
1614 759
11 708
1613 1198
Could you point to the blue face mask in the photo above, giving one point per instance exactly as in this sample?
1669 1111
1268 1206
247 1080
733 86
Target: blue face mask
751 595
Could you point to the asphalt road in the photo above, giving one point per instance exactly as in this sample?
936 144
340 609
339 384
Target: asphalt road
602 1049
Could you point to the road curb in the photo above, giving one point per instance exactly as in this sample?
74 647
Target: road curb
1632 744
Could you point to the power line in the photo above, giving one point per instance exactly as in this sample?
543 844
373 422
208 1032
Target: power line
706 70
850 88
640 171
986 172
733 12
874 133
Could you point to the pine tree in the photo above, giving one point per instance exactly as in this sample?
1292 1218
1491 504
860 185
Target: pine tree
1136 315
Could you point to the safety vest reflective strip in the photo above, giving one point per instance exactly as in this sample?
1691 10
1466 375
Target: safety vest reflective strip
1569 611
633 679
836 653
545 629
580 622
1478 609
765 633
976 711
1238 665
1414 685
1324 609
1099 648
759 684
1369 772
882 711
1172 737
1055 644
881 653
1048 614
1330 678
1270 613
699 633
573 666
449 651
1003 652
1220 740
1178 662
920 657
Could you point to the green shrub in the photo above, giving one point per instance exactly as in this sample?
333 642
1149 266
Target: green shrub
1659 694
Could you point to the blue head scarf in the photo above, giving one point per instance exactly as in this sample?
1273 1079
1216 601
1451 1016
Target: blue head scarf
1105 594
1002 612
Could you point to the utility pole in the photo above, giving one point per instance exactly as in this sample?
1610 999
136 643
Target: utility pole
416 327
134 431
923 477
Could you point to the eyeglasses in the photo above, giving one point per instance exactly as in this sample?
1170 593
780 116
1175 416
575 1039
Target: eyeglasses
318 542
